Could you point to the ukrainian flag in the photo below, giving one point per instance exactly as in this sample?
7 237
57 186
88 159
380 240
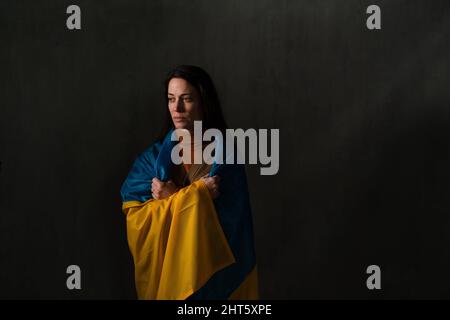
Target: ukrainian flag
189 246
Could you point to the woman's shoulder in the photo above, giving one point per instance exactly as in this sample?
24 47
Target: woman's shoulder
151 152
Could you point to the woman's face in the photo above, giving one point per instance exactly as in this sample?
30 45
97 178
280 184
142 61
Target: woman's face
184 104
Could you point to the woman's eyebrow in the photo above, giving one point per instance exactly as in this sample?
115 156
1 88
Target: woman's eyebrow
183 94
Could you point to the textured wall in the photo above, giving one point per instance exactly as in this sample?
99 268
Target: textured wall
363 118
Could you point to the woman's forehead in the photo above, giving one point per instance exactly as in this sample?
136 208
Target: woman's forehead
179 83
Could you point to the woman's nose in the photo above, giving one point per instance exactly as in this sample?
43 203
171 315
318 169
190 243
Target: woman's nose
179 105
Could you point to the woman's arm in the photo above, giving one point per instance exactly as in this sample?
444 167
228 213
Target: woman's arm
161 190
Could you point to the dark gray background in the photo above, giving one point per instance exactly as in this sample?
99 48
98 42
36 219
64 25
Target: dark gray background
363 117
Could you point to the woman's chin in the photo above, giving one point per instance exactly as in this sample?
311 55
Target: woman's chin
182 125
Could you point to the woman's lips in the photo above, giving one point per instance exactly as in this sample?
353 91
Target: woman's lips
179 119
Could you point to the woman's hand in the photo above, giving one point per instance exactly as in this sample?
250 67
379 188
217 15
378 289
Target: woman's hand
161 190
212 183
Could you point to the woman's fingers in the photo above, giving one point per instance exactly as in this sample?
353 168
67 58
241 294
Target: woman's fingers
212 183
157 184
156 188
214 179
161 189
215 182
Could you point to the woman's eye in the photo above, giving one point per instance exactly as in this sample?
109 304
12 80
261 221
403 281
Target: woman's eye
171 99
188 99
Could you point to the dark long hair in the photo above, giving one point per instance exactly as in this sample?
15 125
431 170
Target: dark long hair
210 103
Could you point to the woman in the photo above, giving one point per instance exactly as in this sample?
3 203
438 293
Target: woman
189 226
